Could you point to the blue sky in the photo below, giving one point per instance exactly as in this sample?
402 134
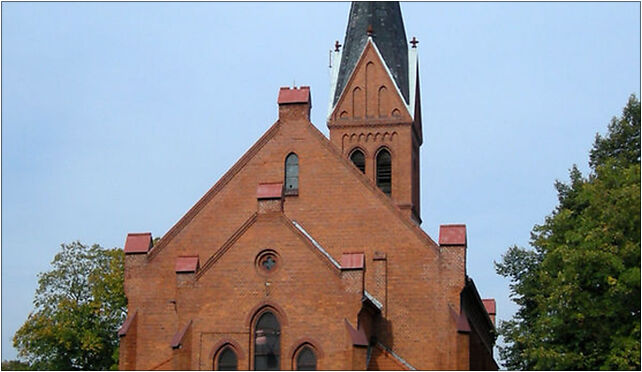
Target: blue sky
117 117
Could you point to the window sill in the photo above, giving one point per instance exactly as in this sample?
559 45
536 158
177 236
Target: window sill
294 192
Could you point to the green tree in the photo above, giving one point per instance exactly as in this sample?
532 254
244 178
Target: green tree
578 289
15 365
79 306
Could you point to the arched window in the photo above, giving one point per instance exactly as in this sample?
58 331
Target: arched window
359 160
227 360
267 334
292 174
384 171
306 360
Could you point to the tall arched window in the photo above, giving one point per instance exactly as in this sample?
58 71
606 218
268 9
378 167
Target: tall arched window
267 334
384 171
227 360
306 360
359 160
292 174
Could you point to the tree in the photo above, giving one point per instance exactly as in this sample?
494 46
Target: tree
15 365
79 306
578 289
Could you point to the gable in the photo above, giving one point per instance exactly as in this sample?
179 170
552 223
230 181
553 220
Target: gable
272 238
217 215
371 92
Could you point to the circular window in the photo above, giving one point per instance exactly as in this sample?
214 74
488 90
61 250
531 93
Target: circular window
267 262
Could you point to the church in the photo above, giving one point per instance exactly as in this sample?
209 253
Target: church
308 253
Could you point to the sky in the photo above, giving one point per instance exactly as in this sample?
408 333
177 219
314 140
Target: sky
117 117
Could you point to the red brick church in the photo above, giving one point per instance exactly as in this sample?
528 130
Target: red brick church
308 253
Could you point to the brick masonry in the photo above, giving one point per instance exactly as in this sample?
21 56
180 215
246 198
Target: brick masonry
416 283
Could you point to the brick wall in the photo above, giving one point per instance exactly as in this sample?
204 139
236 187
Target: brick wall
342 211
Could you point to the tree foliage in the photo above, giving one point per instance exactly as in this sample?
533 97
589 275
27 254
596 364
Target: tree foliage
79 306
578 289
15 365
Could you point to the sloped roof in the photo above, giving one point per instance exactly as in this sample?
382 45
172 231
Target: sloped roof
388 33
177 340
128 322
186 264
452 234
489 304
138 243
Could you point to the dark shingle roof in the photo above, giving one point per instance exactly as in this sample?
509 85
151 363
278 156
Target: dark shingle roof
388 34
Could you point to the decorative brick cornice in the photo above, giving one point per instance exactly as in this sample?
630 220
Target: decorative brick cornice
227 177
368 123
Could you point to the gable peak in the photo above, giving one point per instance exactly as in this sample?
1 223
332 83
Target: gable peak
382 23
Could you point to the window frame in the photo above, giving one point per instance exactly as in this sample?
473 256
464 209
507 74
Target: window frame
259 315
291 191
376 166
365 161
297 355
219 352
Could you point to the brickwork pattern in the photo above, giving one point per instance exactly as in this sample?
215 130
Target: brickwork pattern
344 212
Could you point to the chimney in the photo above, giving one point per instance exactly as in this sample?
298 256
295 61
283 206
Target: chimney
452 248
270 197
294 103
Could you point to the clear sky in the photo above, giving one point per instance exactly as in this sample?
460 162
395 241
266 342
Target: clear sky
117 117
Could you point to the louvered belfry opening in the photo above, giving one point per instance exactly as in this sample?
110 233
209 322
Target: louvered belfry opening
267 335
227 360
384 171
306 360
359 160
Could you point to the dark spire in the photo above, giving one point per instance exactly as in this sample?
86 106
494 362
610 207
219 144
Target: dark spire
384 20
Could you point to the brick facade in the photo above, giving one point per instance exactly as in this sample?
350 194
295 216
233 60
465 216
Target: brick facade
345 269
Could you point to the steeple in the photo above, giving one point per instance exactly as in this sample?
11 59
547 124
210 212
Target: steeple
375 114
383 21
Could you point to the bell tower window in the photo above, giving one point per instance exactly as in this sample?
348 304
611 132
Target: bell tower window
292 174
267 335
384 171
359 160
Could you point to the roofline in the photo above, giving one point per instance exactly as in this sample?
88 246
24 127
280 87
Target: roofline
397 357
413 76
218 186
351 76
314 243
394 82
226 246
387 201
335 61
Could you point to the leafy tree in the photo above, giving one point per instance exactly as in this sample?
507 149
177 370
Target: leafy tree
79 306
578 289
15 365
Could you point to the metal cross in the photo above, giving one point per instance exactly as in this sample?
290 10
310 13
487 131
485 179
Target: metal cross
414 42
337 46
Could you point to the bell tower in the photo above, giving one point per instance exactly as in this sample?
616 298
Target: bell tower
374 114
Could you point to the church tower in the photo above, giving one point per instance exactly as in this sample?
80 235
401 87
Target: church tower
374 115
